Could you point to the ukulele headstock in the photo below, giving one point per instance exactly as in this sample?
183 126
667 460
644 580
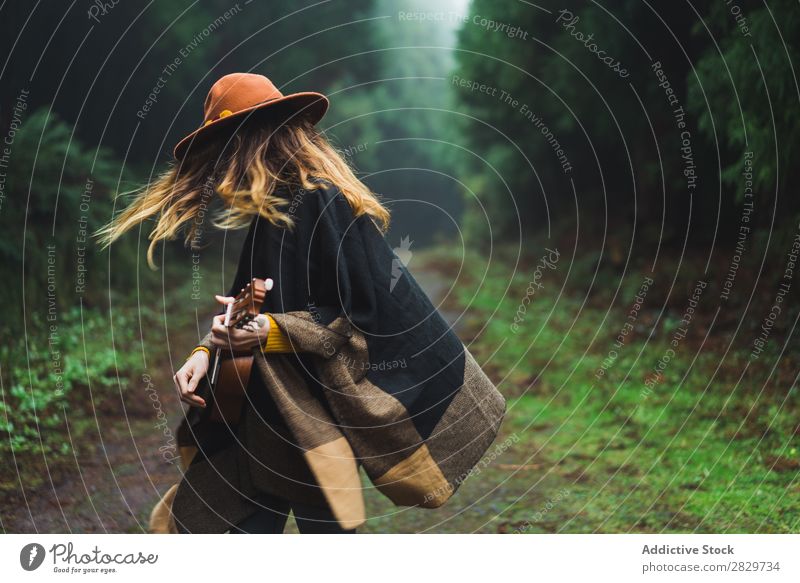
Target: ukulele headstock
247 304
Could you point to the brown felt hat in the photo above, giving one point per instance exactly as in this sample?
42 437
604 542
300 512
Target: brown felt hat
237 96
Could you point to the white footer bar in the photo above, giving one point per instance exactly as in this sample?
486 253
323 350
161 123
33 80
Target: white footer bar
400 558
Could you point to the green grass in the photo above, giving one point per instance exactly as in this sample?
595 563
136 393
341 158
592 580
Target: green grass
697 452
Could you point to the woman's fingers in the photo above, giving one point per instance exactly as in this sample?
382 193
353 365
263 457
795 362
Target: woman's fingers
224 333
236 339
220 341
225 300
194 380
186 389
227 338
193 400
178 380
219 329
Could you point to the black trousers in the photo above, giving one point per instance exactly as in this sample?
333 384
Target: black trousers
271 519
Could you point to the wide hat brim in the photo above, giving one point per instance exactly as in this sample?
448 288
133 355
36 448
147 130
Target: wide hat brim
308 105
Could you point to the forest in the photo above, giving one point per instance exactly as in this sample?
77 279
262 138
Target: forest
598 196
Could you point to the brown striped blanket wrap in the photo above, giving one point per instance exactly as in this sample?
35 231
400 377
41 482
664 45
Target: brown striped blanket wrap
378 380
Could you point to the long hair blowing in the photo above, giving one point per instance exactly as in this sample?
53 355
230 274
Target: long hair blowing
244 172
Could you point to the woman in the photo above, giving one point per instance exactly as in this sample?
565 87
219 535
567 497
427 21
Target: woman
353 366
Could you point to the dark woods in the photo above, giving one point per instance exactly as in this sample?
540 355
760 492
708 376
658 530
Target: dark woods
705 109
646 124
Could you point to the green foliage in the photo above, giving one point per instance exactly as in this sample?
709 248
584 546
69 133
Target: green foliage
59 192
58 377
63 357
745 94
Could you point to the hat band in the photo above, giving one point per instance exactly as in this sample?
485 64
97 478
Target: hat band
227 112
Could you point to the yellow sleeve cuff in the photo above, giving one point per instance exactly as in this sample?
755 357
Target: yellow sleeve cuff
276 339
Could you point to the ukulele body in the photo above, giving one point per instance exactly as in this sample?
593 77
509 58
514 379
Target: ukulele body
231 386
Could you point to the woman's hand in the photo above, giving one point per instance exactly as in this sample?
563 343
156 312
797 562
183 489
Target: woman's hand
188 377
238 339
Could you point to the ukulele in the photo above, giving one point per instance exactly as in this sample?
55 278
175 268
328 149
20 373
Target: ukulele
228 375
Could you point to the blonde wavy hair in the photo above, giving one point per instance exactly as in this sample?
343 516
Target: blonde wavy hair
245 172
